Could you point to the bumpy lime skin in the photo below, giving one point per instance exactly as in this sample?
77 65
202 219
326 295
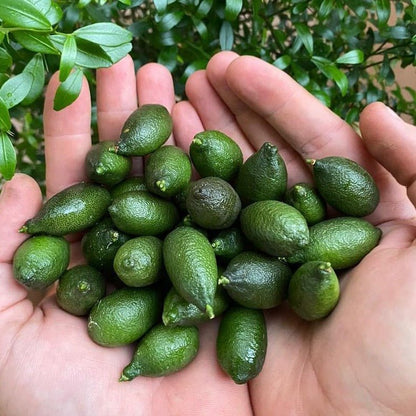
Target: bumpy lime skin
163 351
40 260
73 209
242 343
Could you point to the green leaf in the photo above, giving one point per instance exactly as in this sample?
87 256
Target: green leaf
339 78
125 2
68 58
161 5
36 42
233 9
49 9
355 56
194 66
23 13
104 34
204 8
5 60
89 55
305 36
169 21
5 122
283 62
168 57
117 52
7 156
383 10
226 36
200 27
325 8
15 89
35 68
68 91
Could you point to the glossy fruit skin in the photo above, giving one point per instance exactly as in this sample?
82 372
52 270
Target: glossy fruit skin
163 351
242 343
314 290
40 260
144 131
263 176
133 183
106 167
341 241
100 244
73 209
79 288
228 243
213 203
346 186
179 312
213 153
168 170
123 316
305 198
191 266
256 280
274 227
139 261
141 213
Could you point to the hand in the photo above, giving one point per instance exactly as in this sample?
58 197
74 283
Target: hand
48 364
361 360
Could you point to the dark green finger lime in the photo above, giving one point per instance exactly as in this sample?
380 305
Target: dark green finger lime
79 288
256 280
100 244
215 154
314 290
213 203
40 260
123 316
242 343
139 261
163 351
105 167
168 170
307 201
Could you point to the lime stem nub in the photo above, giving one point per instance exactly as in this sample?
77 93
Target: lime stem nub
310 161
113 149
197 141
123 377
223 280
209 311
23 229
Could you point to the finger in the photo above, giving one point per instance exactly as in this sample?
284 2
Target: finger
300 118
67 138
20 200
116 97
310 127
155 86
391 141
213 112
186 124
256 129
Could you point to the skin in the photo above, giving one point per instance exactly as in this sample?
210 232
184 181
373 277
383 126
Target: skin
360 360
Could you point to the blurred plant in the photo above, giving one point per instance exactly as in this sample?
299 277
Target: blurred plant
343 52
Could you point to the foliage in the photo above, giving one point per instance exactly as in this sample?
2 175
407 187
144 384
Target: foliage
343 52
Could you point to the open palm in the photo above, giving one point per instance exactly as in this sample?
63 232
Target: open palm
359 361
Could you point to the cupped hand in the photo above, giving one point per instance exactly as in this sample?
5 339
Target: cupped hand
361 360
48 364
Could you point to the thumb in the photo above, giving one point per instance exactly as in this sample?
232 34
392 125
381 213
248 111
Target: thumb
20 200
392 142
